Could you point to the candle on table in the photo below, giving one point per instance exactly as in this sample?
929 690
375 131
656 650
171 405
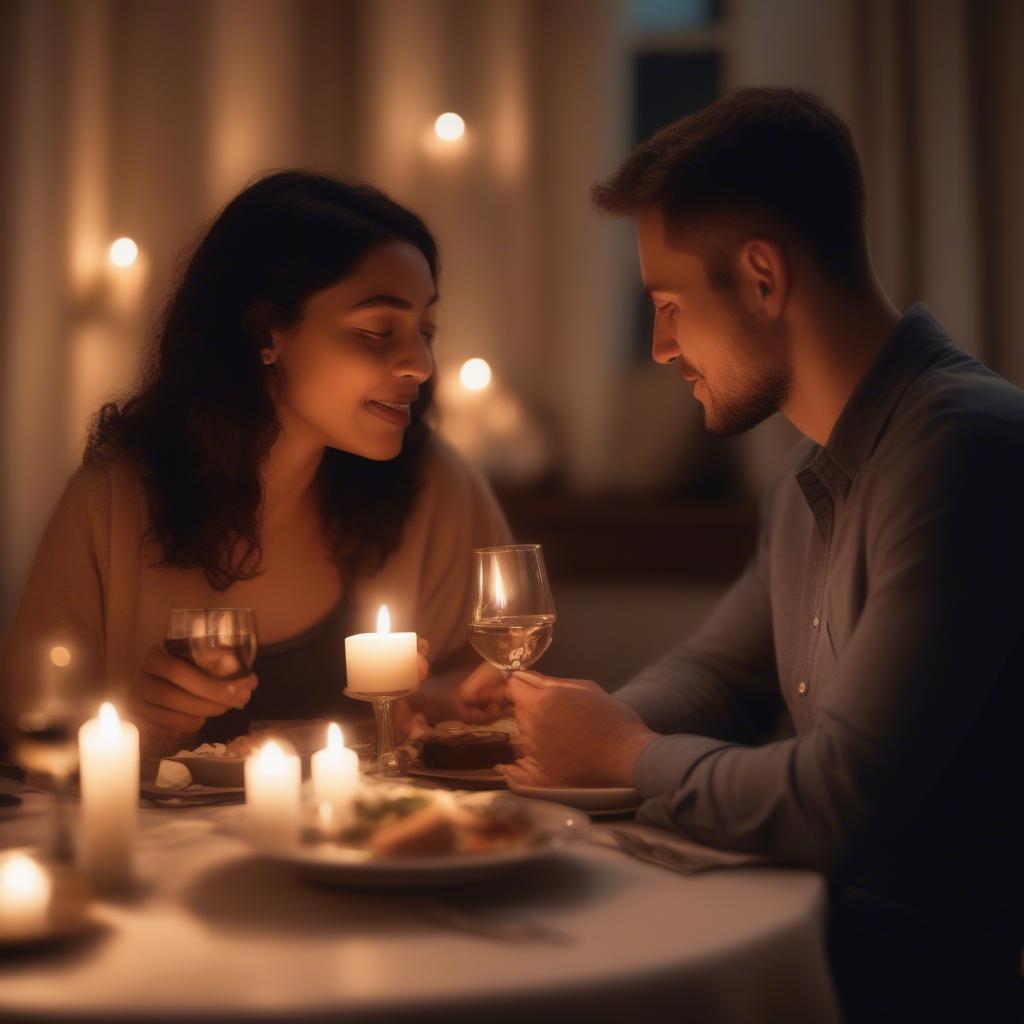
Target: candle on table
108 750
24 896
272 792
335 771
382 662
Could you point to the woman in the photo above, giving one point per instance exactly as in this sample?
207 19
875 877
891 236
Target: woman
277 456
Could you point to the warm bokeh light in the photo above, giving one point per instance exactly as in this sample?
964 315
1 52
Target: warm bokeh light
450 127
383 620
60 656
475 374
123 252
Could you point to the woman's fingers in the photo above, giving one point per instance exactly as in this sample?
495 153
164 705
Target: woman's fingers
154 690
422 664
165 718
223 692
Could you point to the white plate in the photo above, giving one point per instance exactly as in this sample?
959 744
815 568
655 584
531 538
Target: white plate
481 778
336 865
223 772
611 800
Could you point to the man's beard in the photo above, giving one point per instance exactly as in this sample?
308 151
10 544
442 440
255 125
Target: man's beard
735 407
738 402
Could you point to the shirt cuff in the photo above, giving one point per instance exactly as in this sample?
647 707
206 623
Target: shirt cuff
664 763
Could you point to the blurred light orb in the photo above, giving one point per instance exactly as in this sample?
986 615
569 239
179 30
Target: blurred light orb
450 127
123 252
475 374
60 656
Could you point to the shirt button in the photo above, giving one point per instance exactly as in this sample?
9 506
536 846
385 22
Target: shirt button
815 621
802 688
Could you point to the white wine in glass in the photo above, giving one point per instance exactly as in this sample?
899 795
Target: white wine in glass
513 611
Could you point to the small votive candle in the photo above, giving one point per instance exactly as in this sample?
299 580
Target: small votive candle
109 757
335 772
273 779
382 662
25 890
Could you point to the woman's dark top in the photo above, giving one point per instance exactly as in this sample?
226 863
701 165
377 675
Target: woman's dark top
301 677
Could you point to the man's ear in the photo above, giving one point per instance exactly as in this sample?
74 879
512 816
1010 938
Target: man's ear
763 273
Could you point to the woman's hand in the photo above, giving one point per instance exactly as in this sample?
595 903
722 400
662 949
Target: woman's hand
422 650
171 700
480 697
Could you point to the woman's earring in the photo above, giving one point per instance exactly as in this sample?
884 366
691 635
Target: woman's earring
267 355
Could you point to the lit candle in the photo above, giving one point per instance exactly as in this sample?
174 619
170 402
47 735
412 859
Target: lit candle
24 896
108 750
335 771
272 786
382 662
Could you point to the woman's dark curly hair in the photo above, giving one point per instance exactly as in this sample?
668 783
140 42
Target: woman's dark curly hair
203 420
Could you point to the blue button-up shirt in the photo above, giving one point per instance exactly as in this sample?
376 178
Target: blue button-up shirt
884 607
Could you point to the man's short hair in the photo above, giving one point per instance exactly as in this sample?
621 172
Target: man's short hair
757 161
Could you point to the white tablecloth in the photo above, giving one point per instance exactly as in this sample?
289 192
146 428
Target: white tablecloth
217 934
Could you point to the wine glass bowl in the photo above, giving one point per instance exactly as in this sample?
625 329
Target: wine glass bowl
221 642
513 617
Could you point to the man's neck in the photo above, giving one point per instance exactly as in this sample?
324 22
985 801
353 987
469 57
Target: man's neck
834 344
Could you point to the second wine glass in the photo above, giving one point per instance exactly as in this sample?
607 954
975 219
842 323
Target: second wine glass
513 619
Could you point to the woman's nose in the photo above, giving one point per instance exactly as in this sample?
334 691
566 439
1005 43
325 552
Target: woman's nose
416 362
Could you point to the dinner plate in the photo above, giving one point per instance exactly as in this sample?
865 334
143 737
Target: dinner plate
222 772
596 799
478 778
331 864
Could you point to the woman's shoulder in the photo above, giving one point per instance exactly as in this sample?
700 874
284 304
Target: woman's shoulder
450 481
104 487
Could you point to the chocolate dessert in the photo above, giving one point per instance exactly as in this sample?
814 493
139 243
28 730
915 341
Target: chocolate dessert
469 750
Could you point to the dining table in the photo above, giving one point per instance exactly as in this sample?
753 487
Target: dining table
213 931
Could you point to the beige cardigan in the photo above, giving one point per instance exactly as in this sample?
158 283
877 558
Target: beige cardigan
94 585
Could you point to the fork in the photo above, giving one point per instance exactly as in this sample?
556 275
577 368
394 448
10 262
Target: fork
663 855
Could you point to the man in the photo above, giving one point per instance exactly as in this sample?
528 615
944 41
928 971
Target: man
883 607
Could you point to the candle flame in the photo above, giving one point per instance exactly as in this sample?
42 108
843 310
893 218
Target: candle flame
271 753
60 656
335 740
499 588
383 620
109 721
21 876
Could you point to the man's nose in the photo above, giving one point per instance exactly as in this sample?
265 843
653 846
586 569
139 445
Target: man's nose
664 348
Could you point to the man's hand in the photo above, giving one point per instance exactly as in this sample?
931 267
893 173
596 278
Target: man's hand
481 695
573 733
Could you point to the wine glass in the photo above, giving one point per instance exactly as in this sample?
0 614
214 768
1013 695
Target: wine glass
219 641
513 611
44 734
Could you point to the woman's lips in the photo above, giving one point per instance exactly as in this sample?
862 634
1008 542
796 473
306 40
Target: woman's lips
398 414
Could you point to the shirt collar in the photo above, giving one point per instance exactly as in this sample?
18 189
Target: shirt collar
917 342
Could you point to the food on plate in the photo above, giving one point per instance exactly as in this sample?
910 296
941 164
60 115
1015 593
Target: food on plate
401 821
468 750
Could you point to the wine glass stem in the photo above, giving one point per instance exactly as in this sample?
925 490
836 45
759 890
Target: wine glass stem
387 758
63 848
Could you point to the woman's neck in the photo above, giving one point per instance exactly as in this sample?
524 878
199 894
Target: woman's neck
288 475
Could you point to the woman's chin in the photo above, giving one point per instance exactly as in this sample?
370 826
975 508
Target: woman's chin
376 449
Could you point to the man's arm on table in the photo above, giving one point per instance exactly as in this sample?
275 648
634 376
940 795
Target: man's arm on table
945 553
722 681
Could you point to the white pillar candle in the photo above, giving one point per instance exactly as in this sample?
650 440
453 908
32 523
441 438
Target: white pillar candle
335 771
108 751
24 896
273 778
381 662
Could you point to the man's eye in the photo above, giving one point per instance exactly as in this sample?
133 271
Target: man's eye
374 335
668 307
427 334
